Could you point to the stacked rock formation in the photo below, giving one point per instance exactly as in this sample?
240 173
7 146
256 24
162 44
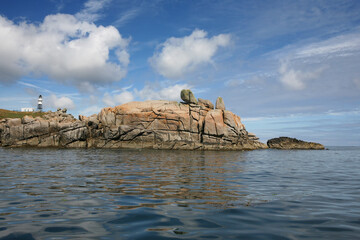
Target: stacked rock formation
293 143
187 96
192 124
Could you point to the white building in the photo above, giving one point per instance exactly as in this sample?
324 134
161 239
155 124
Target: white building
27 109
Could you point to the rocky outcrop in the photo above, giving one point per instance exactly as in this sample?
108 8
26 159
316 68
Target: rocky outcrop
54 129
292 143
220 104
150 124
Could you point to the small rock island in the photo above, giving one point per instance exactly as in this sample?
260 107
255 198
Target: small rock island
293 143
155 124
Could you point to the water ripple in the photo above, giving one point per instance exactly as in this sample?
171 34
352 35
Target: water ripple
147 194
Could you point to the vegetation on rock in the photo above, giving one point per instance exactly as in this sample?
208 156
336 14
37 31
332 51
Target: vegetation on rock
15 114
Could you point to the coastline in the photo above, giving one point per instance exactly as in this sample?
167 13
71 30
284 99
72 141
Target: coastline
155 124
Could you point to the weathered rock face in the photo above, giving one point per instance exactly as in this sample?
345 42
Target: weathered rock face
292 143
205 103
53 130
149 124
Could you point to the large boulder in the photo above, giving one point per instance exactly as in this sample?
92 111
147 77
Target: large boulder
214 123
292 143
187 96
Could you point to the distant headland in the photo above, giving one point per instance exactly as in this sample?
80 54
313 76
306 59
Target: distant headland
155 124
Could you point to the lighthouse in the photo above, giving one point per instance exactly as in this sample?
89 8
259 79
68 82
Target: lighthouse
39 108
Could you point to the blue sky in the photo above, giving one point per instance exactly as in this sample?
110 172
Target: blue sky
287 68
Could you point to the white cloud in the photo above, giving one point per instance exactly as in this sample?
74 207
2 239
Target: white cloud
318 51
342 45
179 56
149 92
124 97
171 93
91 10
122 89
234 82
53 101
63 48
33 86
127 16
90 110
343 113
295 79
118 99
250 81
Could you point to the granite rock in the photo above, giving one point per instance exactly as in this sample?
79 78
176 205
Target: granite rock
205 103
54 129
187 96
220 104
292 143
157 124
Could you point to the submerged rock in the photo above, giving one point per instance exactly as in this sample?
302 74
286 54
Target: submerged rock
292 143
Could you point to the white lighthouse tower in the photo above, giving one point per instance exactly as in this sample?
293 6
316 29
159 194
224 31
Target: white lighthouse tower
39 108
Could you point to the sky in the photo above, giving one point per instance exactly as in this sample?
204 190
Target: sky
287 68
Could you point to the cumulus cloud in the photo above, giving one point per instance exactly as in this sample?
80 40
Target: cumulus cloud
166 93
63 48
179 56
118 99
295 79
90 110
53 101
148 92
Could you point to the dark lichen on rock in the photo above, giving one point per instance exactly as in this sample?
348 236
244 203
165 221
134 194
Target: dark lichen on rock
292 143
187 96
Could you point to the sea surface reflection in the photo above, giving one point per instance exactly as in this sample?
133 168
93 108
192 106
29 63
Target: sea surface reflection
155 194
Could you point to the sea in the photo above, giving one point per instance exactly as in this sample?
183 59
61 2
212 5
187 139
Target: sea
160 194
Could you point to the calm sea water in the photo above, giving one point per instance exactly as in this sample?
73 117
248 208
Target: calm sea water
154 194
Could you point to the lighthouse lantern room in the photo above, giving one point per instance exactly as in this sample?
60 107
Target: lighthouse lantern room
39 108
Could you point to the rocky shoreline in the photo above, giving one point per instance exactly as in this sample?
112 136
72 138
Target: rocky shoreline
158 124
192 124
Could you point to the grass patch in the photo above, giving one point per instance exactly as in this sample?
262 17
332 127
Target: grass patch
13 114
